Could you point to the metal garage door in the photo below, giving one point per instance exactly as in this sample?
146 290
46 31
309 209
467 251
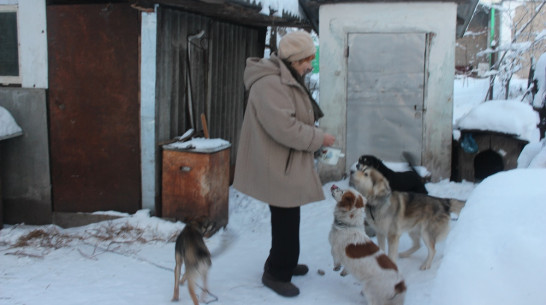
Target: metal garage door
94 107
385 95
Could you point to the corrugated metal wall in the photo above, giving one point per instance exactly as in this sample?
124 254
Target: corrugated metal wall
216 65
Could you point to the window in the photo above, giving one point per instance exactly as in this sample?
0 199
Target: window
9 46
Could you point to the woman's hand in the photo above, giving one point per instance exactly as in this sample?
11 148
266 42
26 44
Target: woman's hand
328 140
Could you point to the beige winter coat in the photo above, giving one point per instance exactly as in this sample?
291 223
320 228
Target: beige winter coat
278 138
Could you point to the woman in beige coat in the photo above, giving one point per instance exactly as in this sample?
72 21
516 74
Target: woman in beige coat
275 161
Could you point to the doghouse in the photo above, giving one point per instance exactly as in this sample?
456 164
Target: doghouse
478 154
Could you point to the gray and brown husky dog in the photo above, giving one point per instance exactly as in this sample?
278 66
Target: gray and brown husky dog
190 248
392 213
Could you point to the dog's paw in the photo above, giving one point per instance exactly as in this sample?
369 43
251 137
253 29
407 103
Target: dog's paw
337 267
425 266
344 272
404 255
176 293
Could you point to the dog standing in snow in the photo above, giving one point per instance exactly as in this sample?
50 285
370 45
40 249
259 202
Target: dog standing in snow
359 255
190 248
391 214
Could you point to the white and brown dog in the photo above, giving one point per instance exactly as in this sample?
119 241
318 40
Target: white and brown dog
359 255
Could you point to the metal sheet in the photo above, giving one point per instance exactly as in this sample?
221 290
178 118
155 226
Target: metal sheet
385 85
94 107
196 184
217 66
24 161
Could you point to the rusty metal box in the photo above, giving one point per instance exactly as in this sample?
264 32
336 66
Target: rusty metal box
195 183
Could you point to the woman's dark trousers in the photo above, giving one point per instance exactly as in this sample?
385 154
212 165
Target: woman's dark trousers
285 243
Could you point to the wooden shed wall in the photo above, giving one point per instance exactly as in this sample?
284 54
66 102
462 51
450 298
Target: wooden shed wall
217 63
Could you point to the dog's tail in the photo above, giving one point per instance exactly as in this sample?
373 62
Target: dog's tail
409 158
455 206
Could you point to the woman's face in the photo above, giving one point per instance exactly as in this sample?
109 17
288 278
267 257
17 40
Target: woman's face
303 66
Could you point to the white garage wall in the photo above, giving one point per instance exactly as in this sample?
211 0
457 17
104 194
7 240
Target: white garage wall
438 19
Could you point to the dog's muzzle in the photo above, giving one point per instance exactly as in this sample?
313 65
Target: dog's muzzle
335 189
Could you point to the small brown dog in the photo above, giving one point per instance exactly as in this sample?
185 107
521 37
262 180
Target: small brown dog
191 249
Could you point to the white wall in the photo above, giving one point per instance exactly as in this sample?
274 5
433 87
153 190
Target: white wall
147 109
31 20
505 22
337 20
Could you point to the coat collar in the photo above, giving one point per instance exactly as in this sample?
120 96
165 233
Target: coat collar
285 74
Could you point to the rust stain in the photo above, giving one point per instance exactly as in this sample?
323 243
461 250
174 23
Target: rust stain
195 185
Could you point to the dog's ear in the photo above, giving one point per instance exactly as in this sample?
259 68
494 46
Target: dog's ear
376 162
381 187
360 201
364 160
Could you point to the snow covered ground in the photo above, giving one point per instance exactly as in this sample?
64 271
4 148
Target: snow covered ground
130 260
493 255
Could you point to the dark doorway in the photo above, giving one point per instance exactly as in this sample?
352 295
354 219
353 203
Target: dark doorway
486 164
94 107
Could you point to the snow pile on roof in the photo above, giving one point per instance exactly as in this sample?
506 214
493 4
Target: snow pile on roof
504 116
8 126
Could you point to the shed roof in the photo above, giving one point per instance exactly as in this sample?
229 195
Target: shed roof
465 10
249 11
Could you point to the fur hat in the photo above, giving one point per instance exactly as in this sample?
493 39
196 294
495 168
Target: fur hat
295 46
